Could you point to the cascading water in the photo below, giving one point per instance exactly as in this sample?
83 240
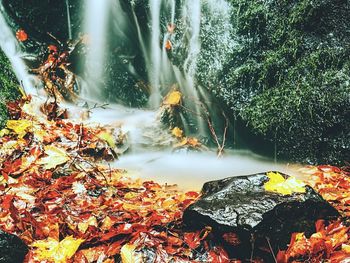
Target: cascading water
10 47
96 21
69 20
174 27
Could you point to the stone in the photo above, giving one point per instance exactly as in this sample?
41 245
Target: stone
12 248
241 205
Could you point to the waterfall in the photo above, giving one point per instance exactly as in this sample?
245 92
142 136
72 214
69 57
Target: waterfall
96 22
9 45
154 70
166 29
69 20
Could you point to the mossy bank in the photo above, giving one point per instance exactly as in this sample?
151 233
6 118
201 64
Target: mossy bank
8 86
289 76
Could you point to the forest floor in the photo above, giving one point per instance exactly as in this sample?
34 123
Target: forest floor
60 196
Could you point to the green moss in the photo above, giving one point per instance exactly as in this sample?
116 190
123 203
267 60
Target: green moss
289 77
8 86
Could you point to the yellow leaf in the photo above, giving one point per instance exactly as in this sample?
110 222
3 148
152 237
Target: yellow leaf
299 236
345 248
4 132
106 136
55 251
168 203
278 184
193 142
131 195
107 223
127 254
55 156
177 132
21 127
83 226
173 98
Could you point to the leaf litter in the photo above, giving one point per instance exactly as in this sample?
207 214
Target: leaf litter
59 196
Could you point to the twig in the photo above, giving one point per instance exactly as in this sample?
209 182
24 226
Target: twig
96 106
55 38
221 145
273 254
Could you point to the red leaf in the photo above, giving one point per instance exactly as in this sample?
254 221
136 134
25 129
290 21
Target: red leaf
21 35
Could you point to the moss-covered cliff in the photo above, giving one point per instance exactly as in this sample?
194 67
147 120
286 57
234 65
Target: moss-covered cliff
289 76
8 86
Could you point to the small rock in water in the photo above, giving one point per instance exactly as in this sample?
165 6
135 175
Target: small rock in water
12 248
241 206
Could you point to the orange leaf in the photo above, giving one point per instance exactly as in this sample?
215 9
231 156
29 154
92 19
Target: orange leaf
21 35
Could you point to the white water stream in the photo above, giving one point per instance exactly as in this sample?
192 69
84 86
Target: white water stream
9 45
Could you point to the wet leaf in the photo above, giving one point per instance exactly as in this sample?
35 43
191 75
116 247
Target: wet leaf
21 35
127 253
55 251
177 132
20 127
173 98
278 184
106 136
168 45
55 156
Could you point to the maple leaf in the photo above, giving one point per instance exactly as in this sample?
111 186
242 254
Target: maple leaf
188 141
127 254
278 184
21 35
173 98
106 136
177 132
21 127
168 45
83 226
55 156
55 251
171 28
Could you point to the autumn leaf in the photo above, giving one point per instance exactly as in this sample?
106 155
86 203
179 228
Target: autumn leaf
55 251
21 35
177 132
83 226
106 136
188 141
173 98
55 156
278 184
127 254
171 28
4 132
20 127
168 45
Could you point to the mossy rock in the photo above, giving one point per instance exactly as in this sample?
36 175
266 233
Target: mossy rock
289 76
8 86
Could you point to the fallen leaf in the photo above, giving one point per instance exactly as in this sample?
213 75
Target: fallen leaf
106 136
177 132
168 45
20 127
21 35
55 156
55 251
278 184
171 28
173 98
127 253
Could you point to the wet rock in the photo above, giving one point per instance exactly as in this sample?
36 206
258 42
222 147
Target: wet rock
12 248
240 205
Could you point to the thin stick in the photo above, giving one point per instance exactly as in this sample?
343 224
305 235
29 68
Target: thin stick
268 242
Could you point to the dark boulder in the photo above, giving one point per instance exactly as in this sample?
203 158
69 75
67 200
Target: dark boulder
12 248
241 205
